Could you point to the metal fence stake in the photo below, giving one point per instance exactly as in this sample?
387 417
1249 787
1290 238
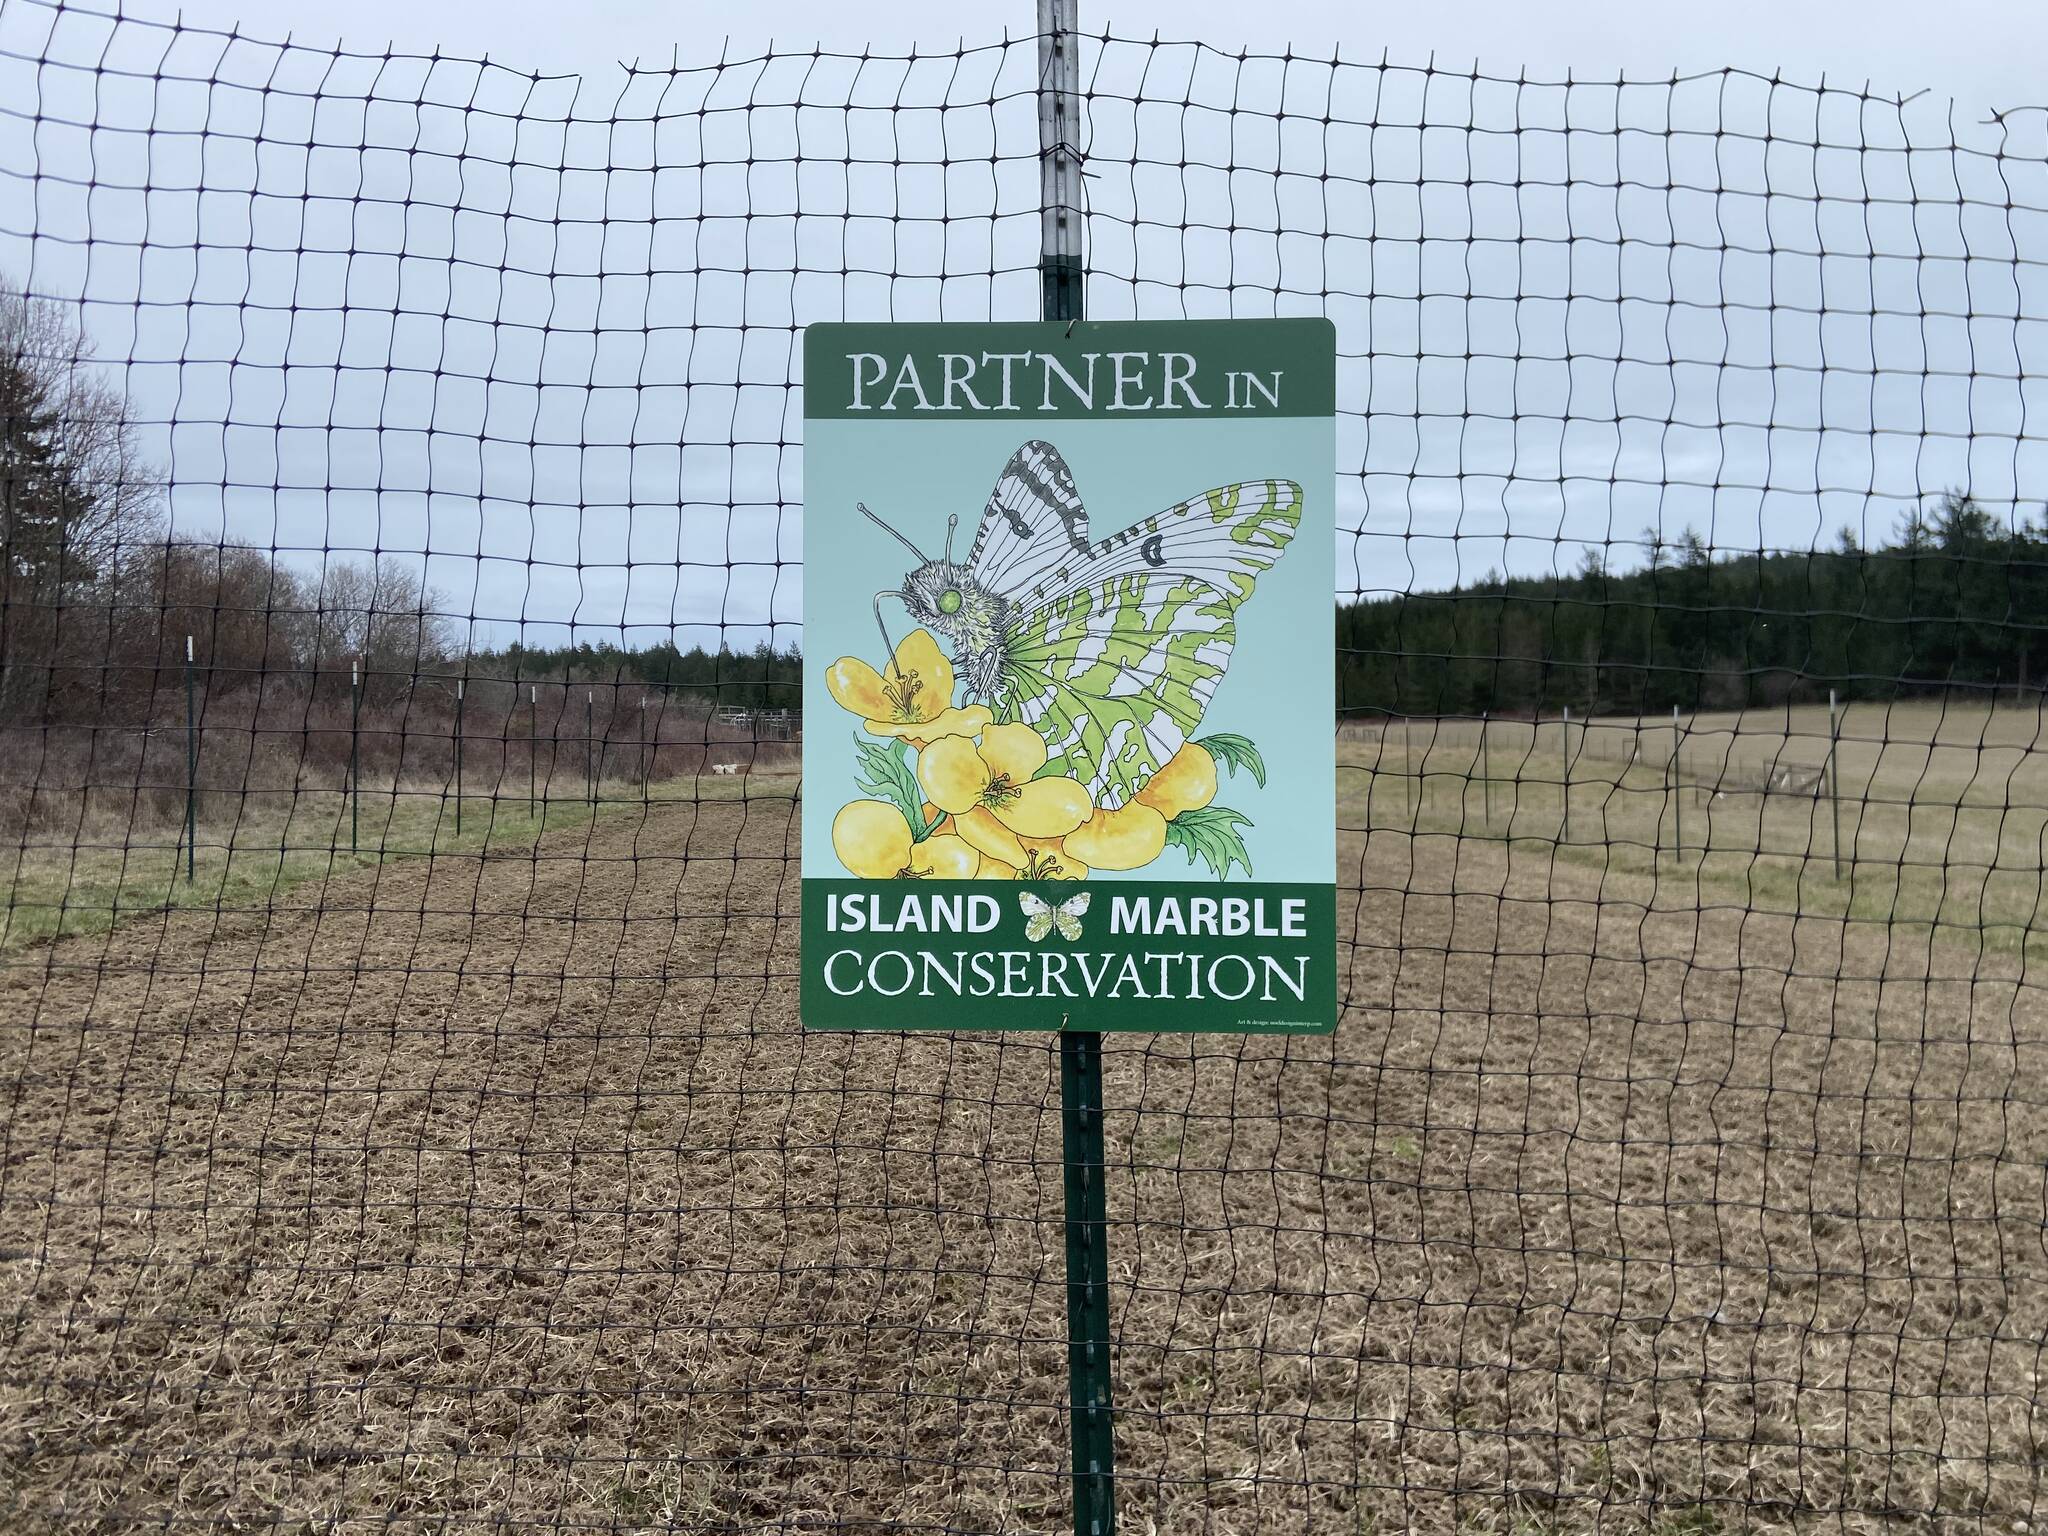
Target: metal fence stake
1081 1142
1411 779
458 757
191 774
355 751
1564 753
1087 1222
1486 767
1677 799
1835 779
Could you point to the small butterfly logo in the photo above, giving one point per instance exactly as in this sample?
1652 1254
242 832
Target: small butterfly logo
1043 916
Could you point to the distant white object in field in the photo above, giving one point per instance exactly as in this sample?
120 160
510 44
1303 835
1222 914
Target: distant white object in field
1791 780
725 767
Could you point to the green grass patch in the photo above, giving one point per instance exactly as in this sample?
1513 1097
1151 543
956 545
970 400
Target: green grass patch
1919 855
276 842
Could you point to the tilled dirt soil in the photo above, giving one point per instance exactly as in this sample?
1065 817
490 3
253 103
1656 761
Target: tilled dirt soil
503 1193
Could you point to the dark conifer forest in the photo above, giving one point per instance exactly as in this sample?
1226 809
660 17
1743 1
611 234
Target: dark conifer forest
1953 601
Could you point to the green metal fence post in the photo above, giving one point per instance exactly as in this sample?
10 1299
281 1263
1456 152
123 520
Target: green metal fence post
458 757
191 774
1677 798
1087 1220
1411 778
1835 778
1486 766
1081 1140
355 750
1564 752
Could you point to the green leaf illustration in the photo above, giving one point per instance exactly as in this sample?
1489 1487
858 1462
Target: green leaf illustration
884 773
1212 835
1236 752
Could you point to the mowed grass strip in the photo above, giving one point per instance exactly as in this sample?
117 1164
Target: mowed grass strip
1942 811
255 848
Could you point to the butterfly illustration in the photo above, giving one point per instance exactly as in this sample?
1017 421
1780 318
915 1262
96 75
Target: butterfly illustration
1111 650
1043 916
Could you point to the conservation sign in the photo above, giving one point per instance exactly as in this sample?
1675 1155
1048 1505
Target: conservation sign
1069 676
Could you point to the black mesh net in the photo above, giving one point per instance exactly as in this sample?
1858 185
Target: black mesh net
407 1124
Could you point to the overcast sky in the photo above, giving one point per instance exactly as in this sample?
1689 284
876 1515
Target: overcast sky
537 333
1985 54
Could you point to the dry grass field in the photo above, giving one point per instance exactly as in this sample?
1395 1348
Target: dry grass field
1657 1180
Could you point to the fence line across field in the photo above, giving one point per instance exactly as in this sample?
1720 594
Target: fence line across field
1732 777
722 733
1732 774
398 1134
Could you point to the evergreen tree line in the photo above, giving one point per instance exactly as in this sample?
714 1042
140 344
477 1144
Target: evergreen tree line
1954 600
96 603
763 677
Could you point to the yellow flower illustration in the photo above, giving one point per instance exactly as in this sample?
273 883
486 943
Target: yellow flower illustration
945 856
874 842
996 843
1129 837
988 790
914 700
1047 858
1186 783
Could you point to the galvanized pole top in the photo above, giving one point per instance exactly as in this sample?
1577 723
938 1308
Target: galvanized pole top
1059 151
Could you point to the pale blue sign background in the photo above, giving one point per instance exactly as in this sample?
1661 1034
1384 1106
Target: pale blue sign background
1280 689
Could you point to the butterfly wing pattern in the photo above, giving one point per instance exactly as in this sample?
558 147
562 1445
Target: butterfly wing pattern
1033 521
1113 650
1037 915
1042 916
1068 914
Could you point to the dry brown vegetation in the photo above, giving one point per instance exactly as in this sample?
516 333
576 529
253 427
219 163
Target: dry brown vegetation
504 1190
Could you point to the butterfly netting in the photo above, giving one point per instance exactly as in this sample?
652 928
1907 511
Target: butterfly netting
406 1124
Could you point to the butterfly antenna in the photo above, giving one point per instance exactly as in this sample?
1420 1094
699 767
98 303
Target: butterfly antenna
951 523
921 560
888 649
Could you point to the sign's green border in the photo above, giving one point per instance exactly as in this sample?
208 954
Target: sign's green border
1176 956
1302 351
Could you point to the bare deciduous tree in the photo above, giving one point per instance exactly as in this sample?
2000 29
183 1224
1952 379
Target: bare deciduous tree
379 611
77 500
